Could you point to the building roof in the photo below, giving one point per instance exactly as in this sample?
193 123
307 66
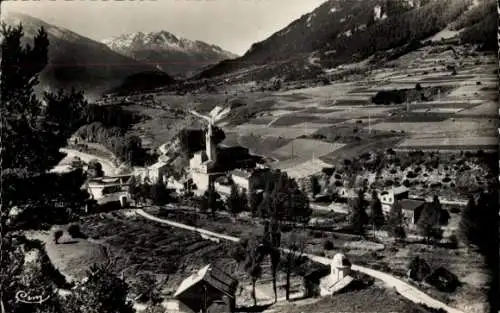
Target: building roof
411 204
212 276
157 165
340 260
241 173
399 190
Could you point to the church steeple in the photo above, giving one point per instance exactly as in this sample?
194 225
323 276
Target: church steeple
210 148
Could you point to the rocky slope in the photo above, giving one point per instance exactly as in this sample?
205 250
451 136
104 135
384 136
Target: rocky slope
344 31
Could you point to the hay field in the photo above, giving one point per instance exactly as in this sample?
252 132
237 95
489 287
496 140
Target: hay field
284 132
306 148
305 169
459 142
449 127
487 108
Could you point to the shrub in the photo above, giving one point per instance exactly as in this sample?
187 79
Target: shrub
57 235
318 234
418 269
75 232
411 174
328 245
443 280
447 179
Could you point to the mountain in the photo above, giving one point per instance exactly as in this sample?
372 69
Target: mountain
77 61
343 31
176 56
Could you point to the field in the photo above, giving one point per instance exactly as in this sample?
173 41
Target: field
306 148
467 265
373 299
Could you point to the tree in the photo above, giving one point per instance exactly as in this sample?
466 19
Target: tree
271 245
103 292
234 202
293 259
254 201
57 235
428 222
158 193
315 186
376 213
134 189
22 128
468 226
253 262
94 169
395 221
213 200
359 218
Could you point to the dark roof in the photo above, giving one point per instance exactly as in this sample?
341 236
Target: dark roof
212 276
411 204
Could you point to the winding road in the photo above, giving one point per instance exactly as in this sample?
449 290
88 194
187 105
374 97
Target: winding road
107 166
404 289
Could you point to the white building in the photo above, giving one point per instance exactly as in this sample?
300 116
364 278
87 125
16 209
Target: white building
241 179
157 172
389 196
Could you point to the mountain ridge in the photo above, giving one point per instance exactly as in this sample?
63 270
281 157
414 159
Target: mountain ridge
343 31
167 52
75 60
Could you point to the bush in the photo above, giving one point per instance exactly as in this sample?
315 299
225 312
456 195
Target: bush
411 174
75 232
418 269
443 280
57 235
328 245
318 234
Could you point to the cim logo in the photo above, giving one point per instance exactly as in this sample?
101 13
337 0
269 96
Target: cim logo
24 297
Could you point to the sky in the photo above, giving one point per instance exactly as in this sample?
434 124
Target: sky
232 24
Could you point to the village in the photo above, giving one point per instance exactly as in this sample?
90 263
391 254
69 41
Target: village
221 195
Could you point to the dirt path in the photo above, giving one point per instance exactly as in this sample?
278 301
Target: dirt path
406 290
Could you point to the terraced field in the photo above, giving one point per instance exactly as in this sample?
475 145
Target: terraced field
140 246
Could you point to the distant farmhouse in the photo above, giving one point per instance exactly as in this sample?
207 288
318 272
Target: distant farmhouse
411 208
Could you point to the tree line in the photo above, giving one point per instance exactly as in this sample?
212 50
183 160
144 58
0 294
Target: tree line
33 131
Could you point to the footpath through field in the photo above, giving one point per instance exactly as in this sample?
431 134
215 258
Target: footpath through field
406 290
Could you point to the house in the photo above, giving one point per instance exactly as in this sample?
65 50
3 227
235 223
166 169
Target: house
100 187
210 290
157 171
389 196
241 179
411 209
